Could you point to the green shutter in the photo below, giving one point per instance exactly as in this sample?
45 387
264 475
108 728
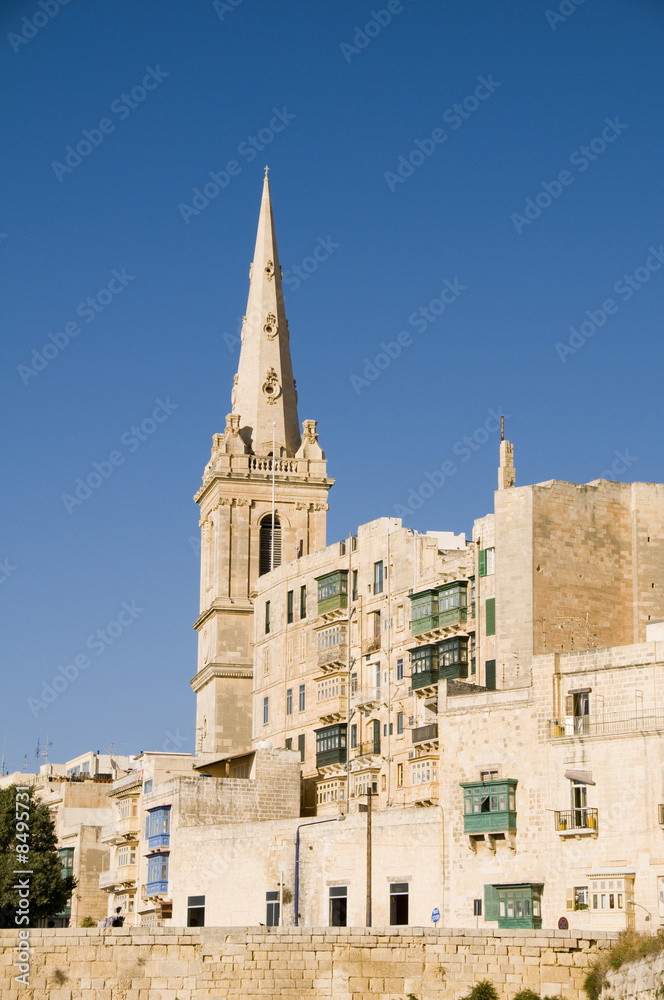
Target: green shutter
490 616
482 562
490 903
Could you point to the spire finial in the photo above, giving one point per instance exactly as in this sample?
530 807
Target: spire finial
267 170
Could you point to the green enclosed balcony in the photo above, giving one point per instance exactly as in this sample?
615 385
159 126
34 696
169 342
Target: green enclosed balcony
331 745
516 905
453 658
439 607
424 609
489 806
424 667
332 591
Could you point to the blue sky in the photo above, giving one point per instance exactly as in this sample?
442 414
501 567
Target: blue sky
493 202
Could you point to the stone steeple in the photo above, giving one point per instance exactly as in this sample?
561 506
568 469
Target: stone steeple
264 391
239 541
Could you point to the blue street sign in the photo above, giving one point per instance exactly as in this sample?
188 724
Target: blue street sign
435 916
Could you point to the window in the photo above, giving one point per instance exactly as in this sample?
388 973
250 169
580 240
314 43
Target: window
353 543
272 909
400 668
303 601
399 723
158 827
330 791
289 607
331 745
399 775
473 660
613 894
338 905
289 743
66 855
157 874
266 710
332 591
196 911
126 856
477 907
303 646
487 562
577 705
301 698
85 768
490 674
578 898
329 638
353 735
300 745
342 548
354 592
332 687
516 905
490 611
378 577
289 701
398 904
423 772
489 806
267 617
147 786
269 556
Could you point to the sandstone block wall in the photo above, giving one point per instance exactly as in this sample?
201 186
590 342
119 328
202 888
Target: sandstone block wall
293 963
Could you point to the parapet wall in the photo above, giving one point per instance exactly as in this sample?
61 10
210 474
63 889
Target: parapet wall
292 963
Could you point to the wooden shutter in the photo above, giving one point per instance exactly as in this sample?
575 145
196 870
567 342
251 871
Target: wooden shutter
482 562
491 616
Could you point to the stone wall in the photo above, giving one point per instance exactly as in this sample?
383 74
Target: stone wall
292 963
636 981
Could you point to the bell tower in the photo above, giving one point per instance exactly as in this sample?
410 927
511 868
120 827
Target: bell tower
263 502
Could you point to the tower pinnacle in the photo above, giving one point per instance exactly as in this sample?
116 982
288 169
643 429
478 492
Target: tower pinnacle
264 390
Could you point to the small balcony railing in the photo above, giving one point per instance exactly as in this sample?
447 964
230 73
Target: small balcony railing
112 877
425 734
371 645
367 748
426 793
129 780
571 821
332 707
335 655
612 724
366 696
122 830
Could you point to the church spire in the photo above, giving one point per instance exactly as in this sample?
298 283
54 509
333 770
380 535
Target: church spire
264 390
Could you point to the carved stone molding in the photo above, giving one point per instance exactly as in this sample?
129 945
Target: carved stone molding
269 270
270 326
271 388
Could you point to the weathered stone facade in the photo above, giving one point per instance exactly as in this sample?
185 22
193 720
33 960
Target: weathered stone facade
343 963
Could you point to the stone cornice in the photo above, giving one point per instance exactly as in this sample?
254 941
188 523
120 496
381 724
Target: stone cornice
223 608
212 670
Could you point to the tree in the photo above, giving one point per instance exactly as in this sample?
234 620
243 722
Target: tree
47 890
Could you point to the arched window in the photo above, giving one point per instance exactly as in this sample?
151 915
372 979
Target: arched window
269 551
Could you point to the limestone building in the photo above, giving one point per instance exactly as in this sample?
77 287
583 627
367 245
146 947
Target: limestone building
496 702
263 502
76 794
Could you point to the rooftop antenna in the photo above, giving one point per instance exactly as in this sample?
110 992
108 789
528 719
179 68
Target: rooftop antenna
2 767
502 428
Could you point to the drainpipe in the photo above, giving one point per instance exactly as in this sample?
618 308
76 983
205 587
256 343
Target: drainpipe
316 822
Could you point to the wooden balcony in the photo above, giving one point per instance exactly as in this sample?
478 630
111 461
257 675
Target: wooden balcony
425 734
